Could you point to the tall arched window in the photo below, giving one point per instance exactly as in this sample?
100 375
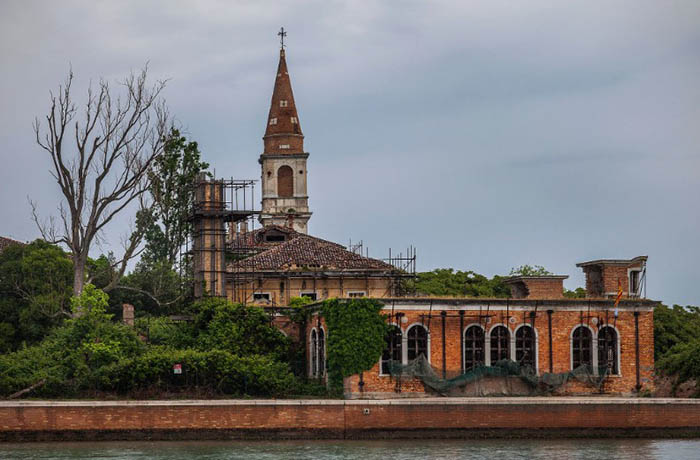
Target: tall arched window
321 353
392 352
525 347
285 182
474 347
417 342
607 349
582 347
314 353
500 344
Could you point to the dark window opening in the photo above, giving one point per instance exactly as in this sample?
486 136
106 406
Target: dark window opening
261 296
634 283
275 238
392 352
285 182
582 347
500 344
314 353
417 342
321 353
310 295
525 350
607 349
474 347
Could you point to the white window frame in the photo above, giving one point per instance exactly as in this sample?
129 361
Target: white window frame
306 293
268 294
537 345
353 294
619 363
284 146
284 103
294 120
273 121
594 347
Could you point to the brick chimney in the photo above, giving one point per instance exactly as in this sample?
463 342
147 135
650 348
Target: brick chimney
537 287
128 314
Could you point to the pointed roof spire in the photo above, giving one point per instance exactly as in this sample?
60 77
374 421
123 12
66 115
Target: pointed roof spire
283 133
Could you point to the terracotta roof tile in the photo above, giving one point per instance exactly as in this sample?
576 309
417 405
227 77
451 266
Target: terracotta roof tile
301 251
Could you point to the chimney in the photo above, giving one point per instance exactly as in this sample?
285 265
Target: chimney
128 314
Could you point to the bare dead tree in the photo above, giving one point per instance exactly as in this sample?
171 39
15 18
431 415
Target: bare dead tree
101 163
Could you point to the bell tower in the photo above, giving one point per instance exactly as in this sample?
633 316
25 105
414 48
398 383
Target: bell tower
285 200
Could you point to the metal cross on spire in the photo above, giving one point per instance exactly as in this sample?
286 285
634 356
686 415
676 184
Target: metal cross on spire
282 34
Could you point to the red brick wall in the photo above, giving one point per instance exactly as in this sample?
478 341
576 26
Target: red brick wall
563 323
335 418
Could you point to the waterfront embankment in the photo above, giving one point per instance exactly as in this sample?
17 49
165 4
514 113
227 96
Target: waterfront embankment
349 419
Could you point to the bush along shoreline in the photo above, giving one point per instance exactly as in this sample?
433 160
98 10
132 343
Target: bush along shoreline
228 350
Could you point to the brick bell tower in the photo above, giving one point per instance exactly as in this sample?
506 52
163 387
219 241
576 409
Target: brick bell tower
285 201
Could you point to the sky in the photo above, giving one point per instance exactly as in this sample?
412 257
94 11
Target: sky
486 134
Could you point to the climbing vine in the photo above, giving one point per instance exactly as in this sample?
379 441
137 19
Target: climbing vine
356 336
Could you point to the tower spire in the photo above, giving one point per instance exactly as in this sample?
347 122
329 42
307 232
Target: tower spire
283 133
283 162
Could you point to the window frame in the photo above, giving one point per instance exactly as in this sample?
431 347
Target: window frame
408 340
616 371
507 347
535 345
395 328
483 346
593 348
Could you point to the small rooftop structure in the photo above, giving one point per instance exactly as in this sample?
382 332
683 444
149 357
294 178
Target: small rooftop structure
605 276
537 287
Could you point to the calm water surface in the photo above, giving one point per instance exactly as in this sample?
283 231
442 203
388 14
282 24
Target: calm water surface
366 450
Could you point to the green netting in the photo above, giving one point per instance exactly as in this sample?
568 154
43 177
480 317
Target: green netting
504 377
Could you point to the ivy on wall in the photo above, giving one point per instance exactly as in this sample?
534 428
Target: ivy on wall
356 336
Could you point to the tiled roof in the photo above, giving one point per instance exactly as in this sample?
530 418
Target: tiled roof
301 252
5 242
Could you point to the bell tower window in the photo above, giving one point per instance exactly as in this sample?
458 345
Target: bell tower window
285 182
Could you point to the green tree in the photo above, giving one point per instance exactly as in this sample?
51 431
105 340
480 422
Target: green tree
447 282
530 270
35 289
172 181
578 293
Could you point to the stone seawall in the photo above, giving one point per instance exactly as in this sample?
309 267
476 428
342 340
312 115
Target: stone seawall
336 419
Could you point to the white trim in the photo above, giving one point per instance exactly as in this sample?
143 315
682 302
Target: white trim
364 293
537 345
405 348
594 347
513 308
631 293
617 340
464 341
268 294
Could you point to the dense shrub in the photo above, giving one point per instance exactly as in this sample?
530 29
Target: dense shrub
221 371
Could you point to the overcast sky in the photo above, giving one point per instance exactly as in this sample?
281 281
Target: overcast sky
488 134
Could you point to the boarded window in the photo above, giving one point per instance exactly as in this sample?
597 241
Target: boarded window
285 182
314 353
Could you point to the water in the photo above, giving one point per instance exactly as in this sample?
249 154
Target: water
579 449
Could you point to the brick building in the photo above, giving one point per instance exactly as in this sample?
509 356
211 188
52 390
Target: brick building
537 327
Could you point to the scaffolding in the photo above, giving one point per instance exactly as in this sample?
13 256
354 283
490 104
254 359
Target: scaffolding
217 202
403 273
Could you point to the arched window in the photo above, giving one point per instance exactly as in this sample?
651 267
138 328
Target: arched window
285 182
321 353
474 347
314 353
582 347
607 349
417 342
392 352
500 344
525 349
